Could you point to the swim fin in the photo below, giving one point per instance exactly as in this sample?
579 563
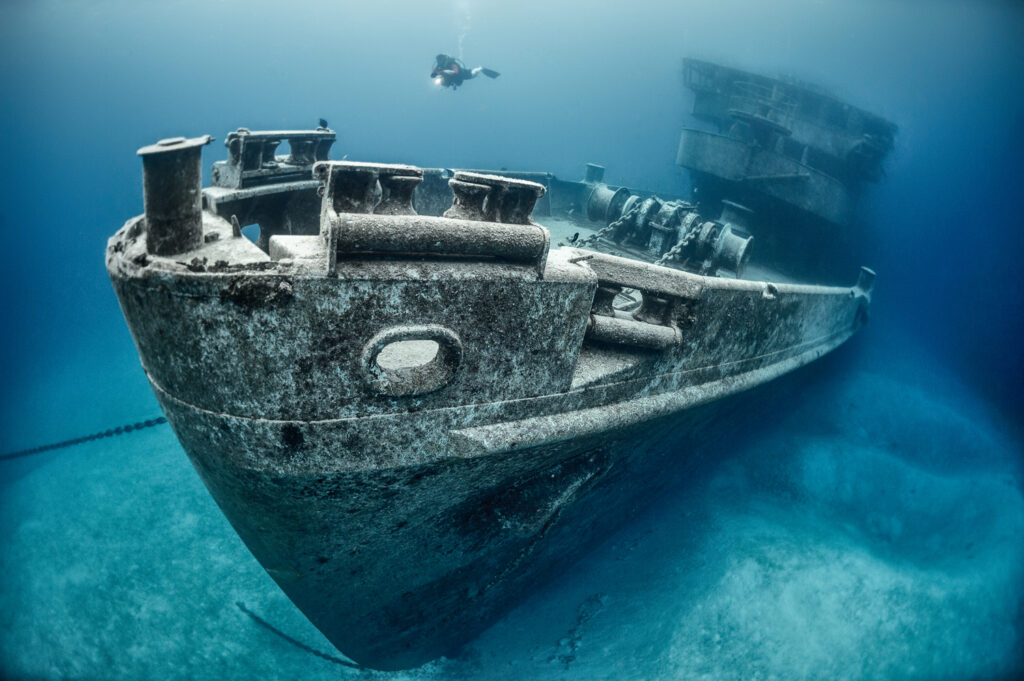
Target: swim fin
490 74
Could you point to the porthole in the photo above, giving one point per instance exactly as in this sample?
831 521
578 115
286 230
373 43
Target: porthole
407 354
411 360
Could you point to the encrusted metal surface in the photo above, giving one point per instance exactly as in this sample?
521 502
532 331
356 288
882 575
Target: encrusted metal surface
411 420
767 172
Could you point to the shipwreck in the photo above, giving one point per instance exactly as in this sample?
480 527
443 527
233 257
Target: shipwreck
414 404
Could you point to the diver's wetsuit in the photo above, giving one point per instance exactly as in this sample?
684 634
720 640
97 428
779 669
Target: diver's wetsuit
454 73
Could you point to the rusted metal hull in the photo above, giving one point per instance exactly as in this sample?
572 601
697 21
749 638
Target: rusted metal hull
404 501
400 566
402 533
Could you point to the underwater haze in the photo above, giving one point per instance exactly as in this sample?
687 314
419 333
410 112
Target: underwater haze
872 527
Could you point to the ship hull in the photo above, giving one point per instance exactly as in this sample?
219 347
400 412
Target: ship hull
400 566
404 503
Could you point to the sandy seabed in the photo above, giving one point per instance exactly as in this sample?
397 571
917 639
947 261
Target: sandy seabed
874 530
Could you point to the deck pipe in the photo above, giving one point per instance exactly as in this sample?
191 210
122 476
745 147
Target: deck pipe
617 331
429 235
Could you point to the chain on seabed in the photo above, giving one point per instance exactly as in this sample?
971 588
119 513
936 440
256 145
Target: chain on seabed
120 430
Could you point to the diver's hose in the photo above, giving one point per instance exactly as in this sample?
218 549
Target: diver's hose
149 423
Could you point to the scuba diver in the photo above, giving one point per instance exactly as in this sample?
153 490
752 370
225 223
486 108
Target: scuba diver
450 72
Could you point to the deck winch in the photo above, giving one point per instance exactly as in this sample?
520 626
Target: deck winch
672 230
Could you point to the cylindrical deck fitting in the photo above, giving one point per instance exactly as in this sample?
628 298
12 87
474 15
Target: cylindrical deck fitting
604 299
733 251
396 190
467 200
351 187
493 198
426 234
636 334
171 185
303 152
594 173
516 202
605 204
654 309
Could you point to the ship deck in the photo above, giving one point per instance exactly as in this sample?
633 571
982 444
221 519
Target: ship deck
563 228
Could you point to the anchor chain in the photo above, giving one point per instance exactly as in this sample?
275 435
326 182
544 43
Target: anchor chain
669 255
673 252
612 226
148 423
295 642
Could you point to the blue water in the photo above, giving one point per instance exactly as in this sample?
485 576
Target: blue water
873 530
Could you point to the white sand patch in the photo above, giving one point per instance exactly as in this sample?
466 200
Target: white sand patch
118 565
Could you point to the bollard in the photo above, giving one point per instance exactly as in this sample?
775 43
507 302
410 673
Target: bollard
397 184
654 309
516 202
604 299
396 195
302 152
354 189
493 198
171 185
594 173
351 187
467 200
